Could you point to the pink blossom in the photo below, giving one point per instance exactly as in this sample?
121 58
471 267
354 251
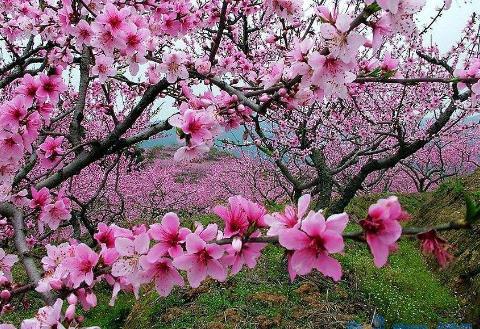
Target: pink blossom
105 235
83 32
247 255
382 228
51 86
203 66
54 213
80 266
13 112
130 251
206 233
28 88
6 263
342 43
314 242
40 198
104 68
255 212
431 243
87 298
189 152
31 130
55 257
381 28
50 151
197 124
113 19
235 219
135 39
47 317
201 260
12 147
290 218
169 235
163 272
173 65
274 74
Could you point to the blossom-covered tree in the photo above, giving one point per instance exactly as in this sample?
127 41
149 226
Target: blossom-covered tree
333 93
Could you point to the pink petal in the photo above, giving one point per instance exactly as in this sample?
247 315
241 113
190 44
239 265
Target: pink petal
171 222
303 261
314 224
184 262
329 266
216 270
392 230
196 274
303 203
124 246
293 239
333 241
378 249
337 222
194 243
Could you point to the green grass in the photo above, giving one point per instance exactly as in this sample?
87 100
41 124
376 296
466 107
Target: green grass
106 316
404 290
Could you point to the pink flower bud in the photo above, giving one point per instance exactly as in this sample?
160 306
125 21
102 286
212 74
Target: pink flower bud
237 243
282 92
5 294
264 98
72 299
3 280
70 312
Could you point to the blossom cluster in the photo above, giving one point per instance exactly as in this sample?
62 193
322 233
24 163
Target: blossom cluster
129 258
21 119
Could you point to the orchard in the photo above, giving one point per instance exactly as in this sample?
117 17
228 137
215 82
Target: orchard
333 99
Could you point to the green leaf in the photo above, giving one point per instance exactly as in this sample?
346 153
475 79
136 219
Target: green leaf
472 214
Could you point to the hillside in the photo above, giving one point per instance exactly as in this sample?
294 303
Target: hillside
463 274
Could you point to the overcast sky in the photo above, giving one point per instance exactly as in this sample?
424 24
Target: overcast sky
446 29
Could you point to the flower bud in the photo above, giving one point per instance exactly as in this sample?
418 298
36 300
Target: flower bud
237 244
5 294
72 299
264 98
70 312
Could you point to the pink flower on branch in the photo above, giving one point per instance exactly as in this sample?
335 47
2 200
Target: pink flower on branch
201 260
80 266
162 271
382 228
290 218
169 235
173 65
51 86
313 243
431 243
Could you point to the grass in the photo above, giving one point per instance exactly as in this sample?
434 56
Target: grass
405 290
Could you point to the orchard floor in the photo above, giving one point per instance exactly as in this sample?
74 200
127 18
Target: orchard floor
405 291
408 290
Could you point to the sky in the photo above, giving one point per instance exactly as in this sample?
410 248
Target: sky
446 29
